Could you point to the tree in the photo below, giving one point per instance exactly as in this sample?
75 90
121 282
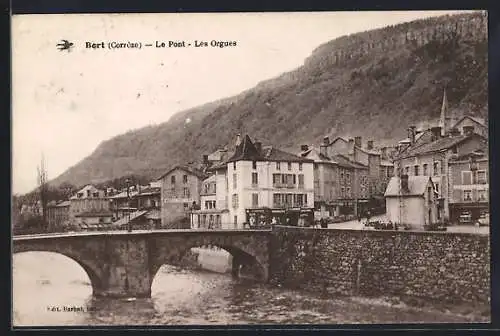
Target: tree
43 191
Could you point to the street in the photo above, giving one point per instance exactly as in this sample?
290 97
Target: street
356 225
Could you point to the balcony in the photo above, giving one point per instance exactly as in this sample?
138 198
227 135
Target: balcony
284 185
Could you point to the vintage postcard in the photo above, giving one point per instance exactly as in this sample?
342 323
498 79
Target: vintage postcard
250 168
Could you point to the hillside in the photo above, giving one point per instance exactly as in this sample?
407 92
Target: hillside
382 81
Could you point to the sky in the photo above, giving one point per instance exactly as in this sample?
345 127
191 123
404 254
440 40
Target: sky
64 104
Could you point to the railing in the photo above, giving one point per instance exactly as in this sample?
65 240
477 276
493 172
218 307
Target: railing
284 185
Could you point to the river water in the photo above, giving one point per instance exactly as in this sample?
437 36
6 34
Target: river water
46 282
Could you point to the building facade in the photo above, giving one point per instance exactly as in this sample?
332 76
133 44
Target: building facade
213 212
433 159
411 201
180 192
88 200
58 214
340 185
469 180
268 186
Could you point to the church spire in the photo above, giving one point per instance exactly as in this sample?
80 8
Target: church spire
443 120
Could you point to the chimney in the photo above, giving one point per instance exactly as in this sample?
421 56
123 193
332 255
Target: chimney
404 182
258 146
322 150
383 152
351 144
436 133
357 141
326 141
468 130
369 144
303 148
411 134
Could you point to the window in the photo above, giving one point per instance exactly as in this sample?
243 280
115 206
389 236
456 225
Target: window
255 200
442 166
347 175
235 219
436 168
342 174
424 169
315 165
454 150
300 200
466 177
481 177
186 192
235 180
276 179
277 166
482 196
234 165
348 191
96 194
255 179
467 195
235 201
254 164
305 199
172 179
342 192
276 199
416 170
289 166
300 166
185 179
186 206
301 181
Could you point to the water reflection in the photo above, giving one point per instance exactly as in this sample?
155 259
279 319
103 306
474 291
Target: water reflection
45 281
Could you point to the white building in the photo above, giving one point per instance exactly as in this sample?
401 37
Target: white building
213 212
269 186
412 201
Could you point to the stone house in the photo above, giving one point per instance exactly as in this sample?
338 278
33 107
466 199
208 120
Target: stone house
411 201
180 191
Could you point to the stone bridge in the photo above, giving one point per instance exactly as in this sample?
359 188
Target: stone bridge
123 264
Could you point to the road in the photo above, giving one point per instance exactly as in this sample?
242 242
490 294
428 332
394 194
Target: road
356 225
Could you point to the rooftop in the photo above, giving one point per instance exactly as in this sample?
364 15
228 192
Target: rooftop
247 151
436 146
416 186
188 169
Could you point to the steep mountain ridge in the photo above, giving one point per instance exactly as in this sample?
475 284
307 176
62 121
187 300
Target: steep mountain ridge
382 81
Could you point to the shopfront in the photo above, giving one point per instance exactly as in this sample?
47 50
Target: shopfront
267 217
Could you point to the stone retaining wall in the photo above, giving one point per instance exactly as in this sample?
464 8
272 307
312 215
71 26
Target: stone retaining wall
451 267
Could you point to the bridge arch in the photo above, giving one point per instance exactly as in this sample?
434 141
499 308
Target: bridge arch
90 268
251 254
